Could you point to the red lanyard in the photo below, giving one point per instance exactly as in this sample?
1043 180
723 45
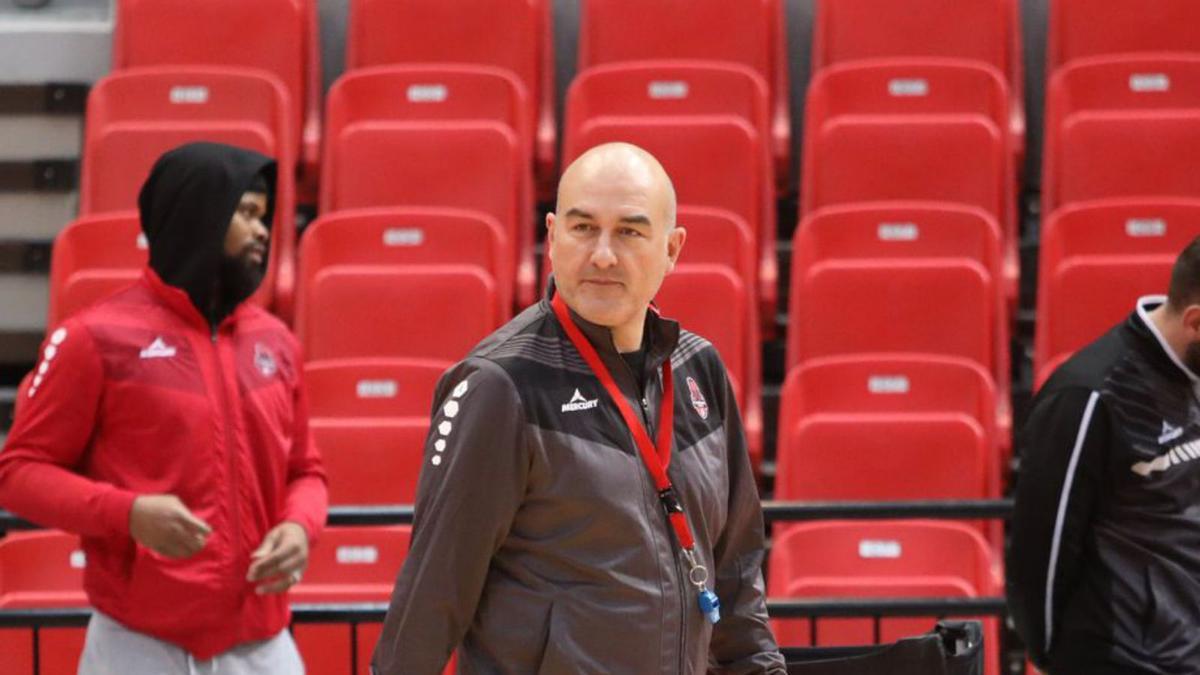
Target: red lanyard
656 459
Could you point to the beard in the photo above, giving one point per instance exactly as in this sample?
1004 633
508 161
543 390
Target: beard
240 277
1191 357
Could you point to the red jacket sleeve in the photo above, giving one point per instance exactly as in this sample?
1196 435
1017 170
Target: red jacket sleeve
39 465
307 494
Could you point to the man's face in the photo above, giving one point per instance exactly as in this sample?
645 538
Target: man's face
610 245
246 239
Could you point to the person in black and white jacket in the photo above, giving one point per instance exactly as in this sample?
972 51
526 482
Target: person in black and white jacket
1104 564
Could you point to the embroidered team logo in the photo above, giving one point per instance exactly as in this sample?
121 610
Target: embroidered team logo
698 401
264 360
579 402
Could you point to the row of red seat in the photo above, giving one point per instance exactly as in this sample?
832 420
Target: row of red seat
359 564
1121 195
173 32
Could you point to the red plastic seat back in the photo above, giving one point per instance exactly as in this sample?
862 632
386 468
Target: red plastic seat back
354 564
430 311
472 165
1083 28
950 158
221 33
670 88
1096 260
92 258
1122 126
409 236
875 559
371 388
909 87
713 302
846 306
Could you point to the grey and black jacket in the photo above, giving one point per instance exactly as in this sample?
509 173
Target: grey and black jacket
539 542
1104 565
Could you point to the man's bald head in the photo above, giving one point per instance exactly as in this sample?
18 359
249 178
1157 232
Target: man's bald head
603 163
613 238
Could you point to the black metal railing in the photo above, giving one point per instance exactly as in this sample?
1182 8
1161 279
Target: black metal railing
355 614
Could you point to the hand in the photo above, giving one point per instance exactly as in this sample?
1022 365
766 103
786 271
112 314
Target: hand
164 525
280 559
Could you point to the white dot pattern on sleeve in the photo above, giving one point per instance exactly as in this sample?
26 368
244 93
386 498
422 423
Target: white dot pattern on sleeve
48 354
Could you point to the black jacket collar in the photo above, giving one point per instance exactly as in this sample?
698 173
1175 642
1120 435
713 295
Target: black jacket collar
1143 328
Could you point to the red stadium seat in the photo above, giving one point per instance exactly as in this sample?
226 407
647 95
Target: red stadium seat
41 570
93 257
987 32
1106 155
879 559
718 237
949 158
427 311
370 418
750 33
912 130
1083 28
1097 259
910 87
666 89
419 92
708 300
687 146
349 564
370 460
1122 126
515 36
670 88
371 388
183 33
475 165
887 290
854 306
888 427
134 116
410 236
903 230
353 564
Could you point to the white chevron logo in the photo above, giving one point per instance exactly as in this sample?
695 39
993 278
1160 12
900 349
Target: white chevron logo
158 350
578 402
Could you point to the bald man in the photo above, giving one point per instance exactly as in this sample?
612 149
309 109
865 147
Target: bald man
567 521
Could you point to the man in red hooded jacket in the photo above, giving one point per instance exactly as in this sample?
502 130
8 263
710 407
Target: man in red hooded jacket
167 425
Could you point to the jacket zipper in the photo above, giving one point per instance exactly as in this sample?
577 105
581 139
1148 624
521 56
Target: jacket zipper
231 453
679 576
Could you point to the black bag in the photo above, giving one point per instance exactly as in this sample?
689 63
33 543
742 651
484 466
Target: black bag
952 648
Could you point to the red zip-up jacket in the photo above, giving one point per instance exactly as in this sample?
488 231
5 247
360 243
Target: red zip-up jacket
137 395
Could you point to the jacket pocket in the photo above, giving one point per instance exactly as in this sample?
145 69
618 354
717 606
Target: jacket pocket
1171 616
164 592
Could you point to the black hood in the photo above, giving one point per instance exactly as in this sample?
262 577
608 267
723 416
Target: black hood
186 206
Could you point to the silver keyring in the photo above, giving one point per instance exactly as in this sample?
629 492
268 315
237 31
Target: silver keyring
698 575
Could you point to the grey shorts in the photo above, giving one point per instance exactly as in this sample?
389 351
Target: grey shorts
113 649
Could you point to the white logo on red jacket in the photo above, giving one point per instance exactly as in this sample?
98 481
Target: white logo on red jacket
158 349
56 339
264 360
698 401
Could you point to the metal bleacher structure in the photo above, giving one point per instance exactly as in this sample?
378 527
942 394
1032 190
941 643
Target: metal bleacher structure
796 228
50 55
